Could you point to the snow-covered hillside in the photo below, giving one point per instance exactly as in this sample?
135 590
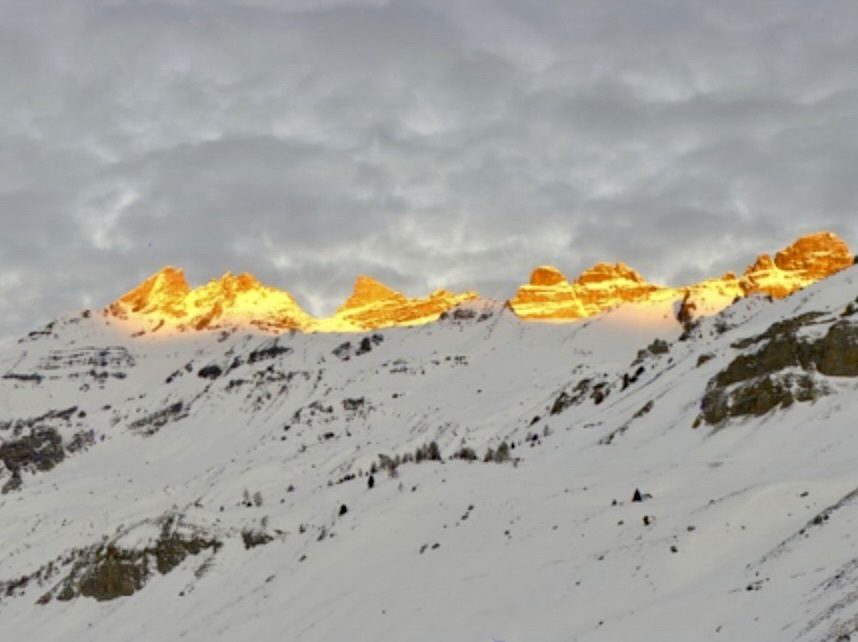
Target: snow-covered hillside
470 479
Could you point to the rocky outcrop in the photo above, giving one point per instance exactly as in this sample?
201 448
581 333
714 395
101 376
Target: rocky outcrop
815 256
373 305
38 451
111 570
810 259
546 276
550 296
162 294
758 396
781 371
164 302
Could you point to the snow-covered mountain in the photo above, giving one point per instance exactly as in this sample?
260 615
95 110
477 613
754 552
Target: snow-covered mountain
481 477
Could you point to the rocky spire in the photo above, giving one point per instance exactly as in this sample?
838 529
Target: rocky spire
161 294
373 305
368 291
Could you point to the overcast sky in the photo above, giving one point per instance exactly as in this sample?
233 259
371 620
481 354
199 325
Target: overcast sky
429 143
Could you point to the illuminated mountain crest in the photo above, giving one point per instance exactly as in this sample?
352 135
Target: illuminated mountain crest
373 305
165 300
550 296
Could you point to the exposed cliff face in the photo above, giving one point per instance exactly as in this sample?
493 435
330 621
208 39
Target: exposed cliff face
777 368
806 261
373 305
550 296
165 300
815 256
162 294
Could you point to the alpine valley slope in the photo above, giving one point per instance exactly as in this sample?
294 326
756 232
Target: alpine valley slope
214 485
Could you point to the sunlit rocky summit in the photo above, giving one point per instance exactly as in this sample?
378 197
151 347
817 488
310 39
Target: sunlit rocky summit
166 299
373 305
166 302
550 296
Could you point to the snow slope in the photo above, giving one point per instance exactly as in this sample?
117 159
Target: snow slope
221 479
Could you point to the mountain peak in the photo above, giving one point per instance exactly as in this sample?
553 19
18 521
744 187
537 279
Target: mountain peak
546 275
240 300
373 305
807 260
607 273
161 294
239 283
369 291
815 255
229 287
550 296
165 300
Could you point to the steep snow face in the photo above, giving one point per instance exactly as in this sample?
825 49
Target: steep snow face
469 479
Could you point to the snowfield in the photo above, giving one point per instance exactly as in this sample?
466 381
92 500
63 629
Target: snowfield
216 485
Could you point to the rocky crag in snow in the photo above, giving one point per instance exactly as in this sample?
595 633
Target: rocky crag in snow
165 302
550 296
645 473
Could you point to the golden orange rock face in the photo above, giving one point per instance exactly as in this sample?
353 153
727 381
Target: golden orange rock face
161 294
806 261
546 276
373 305
550 296
165 302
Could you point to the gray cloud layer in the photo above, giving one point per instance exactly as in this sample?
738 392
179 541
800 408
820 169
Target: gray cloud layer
429 143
